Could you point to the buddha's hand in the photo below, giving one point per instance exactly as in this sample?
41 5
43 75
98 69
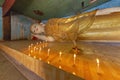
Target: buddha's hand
49 38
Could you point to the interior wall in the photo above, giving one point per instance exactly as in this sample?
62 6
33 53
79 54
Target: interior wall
20 26
1 28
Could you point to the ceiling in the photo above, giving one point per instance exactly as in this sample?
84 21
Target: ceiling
45 9
1 2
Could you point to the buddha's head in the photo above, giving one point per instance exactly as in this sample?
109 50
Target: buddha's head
37 28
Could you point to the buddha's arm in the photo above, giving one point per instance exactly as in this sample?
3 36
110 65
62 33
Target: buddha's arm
44 38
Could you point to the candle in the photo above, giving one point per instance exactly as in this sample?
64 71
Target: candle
48 62
97 60
74 58
31 44
60 67
60 54
28 54
73 73
48 53
37 51
34 48
40 50
37 43
40 42
34 57
40 59
46 43
31 51
98 63
29 47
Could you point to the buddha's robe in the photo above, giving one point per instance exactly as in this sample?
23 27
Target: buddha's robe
96 25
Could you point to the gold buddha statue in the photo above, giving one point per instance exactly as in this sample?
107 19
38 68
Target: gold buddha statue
95 25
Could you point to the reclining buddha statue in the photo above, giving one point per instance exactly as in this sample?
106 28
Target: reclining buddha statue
97 24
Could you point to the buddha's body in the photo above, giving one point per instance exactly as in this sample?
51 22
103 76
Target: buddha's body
92 25
100 24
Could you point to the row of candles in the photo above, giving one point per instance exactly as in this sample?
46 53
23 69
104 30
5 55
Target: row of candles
38 47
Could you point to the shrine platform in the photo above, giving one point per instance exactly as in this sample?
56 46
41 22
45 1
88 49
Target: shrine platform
95 61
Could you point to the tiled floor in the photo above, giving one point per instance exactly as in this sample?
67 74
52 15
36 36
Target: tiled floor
8 71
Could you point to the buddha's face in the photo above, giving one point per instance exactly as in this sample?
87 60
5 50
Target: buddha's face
37 28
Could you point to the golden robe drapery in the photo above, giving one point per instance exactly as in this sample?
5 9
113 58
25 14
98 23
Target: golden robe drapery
67 29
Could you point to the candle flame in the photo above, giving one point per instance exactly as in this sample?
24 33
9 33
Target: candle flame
49 50
31 51
74 55
60 67
36 48
37 43
73 73
97 60
48 62
31 44
60 53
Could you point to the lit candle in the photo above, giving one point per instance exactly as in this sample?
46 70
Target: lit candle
28 54
37 43
48 62
40 43
29 47
34 57
37 51
31 51
40 59
46 43
60 54
73 73
40 50
34 48
60 67
74 57
31 44
97 60
37 48
48 53
98 63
